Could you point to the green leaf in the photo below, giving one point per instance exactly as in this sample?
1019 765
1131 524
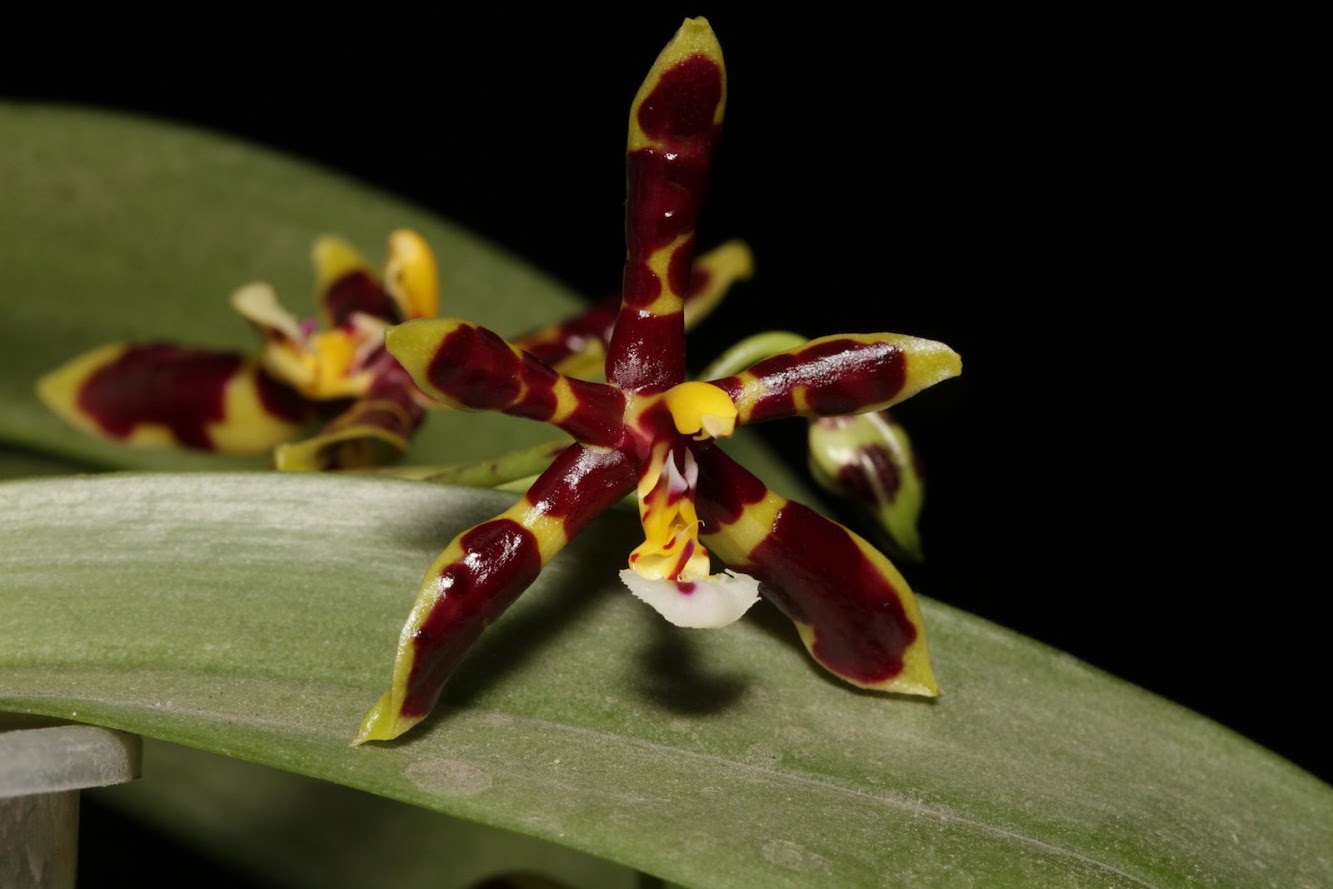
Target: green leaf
21 463
255 615
283 829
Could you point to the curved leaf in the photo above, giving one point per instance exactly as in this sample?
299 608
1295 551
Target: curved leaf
283 829
254 615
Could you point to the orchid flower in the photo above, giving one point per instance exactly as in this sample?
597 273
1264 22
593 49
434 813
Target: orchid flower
648 431
159 394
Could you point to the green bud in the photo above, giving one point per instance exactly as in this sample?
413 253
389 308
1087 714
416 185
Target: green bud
869 460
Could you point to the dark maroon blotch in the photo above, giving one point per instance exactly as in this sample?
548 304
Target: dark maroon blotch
539 398
683 103
599 416
501 560
580 483
476 368
667 190
861 628
814 572
596 324
725 489
281 400
873 462
838 376
182 389
358 292
648 351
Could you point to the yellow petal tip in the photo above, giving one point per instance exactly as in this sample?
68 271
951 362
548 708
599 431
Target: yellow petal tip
411 276
333 258
383 723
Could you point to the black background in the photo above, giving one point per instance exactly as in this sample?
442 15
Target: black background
1103 213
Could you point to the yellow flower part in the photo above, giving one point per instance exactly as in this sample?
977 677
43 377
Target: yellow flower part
410 275
322 365
671 548
671 570
702 410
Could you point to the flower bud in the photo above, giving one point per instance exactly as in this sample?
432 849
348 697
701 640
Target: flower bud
869 460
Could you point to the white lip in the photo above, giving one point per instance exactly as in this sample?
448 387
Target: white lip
711 602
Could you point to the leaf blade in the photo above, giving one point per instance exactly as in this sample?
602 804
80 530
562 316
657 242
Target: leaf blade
581 720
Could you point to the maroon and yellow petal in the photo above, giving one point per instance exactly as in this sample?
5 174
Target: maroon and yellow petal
410 275
482 572
712 276
674 124
278 328
376 429
162 395
347 285
577 346
467 366
321 365
840 374
853 610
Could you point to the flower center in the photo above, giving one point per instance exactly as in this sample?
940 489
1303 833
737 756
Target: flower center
327 364
671 548
321 365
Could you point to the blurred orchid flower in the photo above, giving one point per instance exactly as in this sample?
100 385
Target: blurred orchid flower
332 369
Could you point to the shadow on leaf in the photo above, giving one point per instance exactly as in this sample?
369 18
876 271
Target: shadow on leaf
672 675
